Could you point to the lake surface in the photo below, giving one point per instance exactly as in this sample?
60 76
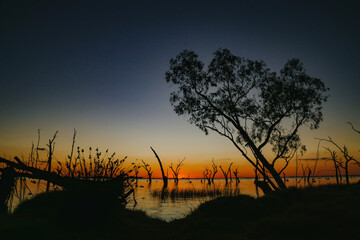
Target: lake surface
169 209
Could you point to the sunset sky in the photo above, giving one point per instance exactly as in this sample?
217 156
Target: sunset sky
99 67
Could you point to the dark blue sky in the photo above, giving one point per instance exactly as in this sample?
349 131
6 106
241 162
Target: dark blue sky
99 66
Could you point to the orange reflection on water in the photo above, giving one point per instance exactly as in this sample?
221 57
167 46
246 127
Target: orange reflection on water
169 209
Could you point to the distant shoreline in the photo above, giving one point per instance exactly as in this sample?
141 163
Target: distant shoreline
245 177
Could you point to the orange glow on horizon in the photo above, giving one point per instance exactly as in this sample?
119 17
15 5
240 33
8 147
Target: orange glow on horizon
194 166
246 171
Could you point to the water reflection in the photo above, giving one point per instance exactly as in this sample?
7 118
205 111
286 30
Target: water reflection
169 208
175 208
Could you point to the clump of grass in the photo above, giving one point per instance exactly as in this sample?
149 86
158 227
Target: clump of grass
192 193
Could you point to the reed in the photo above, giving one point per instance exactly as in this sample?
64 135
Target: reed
92 171
191 193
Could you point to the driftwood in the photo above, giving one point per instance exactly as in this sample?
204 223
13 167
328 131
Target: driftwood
115 186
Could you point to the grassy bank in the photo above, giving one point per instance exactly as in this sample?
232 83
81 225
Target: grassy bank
325 212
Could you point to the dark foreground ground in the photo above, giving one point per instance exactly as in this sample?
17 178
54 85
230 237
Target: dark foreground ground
326 212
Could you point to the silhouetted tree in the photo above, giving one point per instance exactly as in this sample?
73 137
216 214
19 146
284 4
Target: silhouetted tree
136 171
345 152
165 179
176 170
336 163
348 158
147 169
226 173
248 104
207 175
236 175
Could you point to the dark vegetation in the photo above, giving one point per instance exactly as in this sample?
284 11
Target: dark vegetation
101 174
206 193
325 212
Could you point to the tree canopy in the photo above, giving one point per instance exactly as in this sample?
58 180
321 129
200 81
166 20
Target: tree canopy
249 104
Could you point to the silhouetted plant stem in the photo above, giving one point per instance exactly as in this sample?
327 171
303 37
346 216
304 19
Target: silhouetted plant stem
37 148
51 146
71 153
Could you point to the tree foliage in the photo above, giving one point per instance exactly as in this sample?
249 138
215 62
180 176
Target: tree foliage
247 103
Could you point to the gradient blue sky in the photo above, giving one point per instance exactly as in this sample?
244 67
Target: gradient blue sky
98 66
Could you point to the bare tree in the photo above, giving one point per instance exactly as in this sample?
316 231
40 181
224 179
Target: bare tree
165 179
214 170
207 174
147 169
236 175
336 163
176 170
226 173
136 171
306 174
348 158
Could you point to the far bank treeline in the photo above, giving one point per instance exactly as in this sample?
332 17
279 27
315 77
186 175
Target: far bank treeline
240 99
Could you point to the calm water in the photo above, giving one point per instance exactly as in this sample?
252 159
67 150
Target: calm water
170 209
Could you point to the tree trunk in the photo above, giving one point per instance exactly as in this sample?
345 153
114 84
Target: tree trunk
264 186
336 173
49 166
347 172
165 179
270 168
263 160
